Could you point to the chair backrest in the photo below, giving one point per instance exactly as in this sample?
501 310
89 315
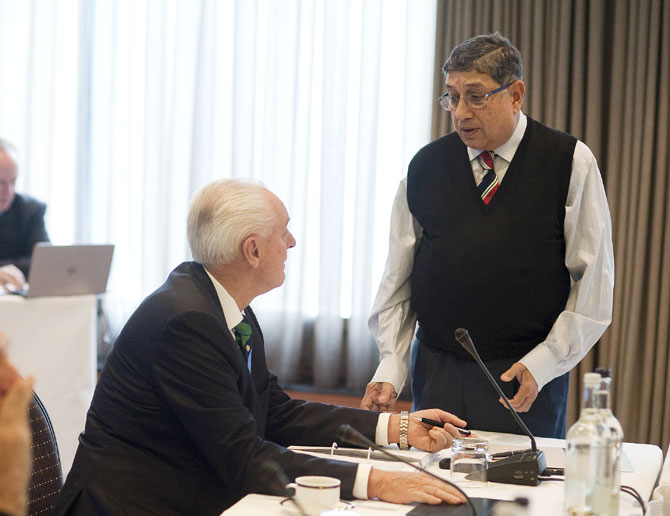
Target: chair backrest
46 480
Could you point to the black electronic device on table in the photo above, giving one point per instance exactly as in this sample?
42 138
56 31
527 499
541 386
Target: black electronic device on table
521 467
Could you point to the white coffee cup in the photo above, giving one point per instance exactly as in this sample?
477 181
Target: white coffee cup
316 494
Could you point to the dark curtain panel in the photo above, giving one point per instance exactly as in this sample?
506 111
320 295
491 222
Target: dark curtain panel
600 71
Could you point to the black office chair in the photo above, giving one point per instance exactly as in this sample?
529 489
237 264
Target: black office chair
46 480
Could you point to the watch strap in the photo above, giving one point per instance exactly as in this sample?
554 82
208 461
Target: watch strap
403 444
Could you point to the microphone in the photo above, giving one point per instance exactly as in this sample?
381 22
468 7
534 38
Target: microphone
524 467
278 481
349 435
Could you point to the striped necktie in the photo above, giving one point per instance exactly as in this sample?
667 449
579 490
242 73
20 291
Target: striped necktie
487 188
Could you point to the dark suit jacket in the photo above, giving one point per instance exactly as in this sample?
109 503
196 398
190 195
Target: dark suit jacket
179 426
21 227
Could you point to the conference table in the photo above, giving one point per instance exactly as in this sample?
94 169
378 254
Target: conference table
641 467
54 338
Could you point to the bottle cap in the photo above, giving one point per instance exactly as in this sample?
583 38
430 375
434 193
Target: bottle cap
592 378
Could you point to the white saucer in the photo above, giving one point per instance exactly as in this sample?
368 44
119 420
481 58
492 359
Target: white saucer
289 506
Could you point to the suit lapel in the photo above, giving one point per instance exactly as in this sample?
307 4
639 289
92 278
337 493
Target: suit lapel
259 370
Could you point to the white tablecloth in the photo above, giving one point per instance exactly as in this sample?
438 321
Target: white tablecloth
545 500
54 338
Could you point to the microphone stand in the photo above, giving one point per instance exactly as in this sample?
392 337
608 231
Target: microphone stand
349 435
523 467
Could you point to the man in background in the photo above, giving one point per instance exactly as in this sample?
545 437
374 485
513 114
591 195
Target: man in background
186 416
21 223
502 228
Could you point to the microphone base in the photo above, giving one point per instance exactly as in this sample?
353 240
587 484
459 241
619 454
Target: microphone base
522 469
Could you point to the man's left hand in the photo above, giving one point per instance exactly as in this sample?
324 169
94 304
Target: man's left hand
528 389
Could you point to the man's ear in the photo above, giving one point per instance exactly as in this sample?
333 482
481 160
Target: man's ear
517 91
251 251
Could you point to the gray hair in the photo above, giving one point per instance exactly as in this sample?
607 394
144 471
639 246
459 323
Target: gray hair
490 54
223 214
6 147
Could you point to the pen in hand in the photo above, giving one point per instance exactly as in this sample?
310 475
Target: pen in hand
432 422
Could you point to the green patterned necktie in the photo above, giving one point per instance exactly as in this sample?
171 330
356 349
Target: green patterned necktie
243 336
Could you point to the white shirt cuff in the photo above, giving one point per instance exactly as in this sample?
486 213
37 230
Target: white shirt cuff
361 481
382 432
363 472
541 362
391 370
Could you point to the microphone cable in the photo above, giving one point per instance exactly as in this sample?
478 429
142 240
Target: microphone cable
629 490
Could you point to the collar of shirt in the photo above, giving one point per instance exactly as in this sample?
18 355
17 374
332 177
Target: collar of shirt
506 151
230 310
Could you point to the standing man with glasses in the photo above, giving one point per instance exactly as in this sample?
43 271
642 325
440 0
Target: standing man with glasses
501 227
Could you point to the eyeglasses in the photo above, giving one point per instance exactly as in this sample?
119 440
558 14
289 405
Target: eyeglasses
472 100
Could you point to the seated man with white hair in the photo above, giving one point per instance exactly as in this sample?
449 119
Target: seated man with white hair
21 223
186 416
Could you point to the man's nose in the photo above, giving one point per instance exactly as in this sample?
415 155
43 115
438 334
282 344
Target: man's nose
462 110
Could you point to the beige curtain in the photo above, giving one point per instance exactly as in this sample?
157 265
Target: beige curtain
600 71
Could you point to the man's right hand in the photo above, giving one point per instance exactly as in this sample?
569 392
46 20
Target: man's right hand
379 396
405 487
12 276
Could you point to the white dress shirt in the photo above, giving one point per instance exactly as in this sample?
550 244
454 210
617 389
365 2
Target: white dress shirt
589 258
233 317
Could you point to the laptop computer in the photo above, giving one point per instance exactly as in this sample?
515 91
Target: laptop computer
64 270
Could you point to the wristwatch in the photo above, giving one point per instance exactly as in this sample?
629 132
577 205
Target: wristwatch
404 427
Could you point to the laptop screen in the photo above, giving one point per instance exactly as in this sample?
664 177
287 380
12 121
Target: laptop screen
63 270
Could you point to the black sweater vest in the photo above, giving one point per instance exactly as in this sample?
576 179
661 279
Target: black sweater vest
497 270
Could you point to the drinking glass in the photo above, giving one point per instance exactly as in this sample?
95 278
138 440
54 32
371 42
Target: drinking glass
469 461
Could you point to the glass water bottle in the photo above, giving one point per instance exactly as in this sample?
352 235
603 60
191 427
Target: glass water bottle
613 424
588 478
